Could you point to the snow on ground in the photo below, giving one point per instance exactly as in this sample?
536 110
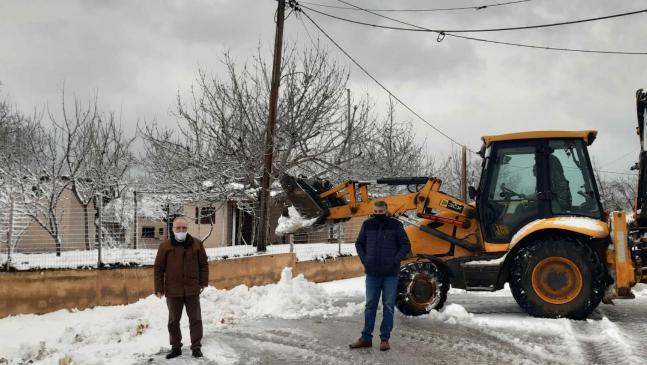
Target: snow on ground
128 334
146 256
295 321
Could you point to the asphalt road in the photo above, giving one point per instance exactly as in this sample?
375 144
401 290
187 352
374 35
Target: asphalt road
491 330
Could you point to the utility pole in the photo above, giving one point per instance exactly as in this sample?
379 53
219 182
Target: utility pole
464 173
263 234
348 135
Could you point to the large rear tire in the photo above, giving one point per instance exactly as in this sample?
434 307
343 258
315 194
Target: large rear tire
557 277
422 287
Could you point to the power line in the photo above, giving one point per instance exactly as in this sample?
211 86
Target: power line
441 35
616 159
525 27
379 83
618 173
476 7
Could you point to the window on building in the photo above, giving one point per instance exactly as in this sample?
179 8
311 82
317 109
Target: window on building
161 232
207 215
148 232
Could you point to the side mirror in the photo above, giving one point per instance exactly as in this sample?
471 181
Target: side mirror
472 192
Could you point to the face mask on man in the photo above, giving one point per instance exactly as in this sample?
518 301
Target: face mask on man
379 216
180 236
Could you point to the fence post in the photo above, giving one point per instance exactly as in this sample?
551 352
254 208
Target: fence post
100 226
135 223
339 237
10 230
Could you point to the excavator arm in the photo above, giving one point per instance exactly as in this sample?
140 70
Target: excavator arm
333 204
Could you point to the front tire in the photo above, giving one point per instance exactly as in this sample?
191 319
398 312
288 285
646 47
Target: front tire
557 277
422 287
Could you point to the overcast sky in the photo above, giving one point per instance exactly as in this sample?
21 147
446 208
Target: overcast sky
139 53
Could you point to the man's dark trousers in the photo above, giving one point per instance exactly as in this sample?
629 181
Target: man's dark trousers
387 286
192 304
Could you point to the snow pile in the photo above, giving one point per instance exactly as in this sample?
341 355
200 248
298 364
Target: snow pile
290 298
347 288
292 223
134 333
452 314
640 290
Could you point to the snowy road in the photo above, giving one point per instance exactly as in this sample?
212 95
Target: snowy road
297 322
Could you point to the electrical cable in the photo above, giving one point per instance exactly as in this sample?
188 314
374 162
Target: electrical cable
618 173
616 159
441 35
380 84
475 7
525 27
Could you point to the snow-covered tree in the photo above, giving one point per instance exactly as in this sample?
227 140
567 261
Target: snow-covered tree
80 150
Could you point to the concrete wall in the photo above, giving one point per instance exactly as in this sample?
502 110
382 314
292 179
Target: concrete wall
47 291
329 270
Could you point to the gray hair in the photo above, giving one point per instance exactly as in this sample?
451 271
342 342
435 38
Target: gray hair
181 218
381 204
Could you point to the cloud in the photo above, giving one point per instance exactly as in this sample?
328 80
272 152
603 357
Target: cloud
138 54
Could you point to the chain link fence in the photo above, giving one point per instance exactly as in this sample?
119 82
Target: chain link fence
127 230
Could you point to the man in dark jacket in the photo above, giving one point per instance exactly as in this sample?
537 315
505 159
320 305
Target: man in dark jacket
181 273
381 245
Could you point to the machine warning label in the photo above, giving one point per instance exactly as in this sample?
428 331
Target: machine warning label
451 205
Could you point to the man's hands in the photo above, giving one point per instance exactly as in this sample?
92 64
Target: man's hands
159 295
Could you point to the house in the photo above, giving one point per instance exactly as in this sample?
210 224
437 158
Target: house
29 236
217 224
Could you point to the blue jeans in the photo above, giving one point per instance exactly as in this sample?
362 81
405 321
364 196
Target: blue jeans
388 287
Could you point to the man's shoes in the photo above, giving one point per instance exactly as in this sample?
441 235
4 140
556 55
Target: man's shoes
360 343
174 353
384 345
196 353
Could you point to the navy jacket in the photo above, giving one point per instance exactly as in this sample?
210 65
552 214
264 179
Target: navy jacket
381 245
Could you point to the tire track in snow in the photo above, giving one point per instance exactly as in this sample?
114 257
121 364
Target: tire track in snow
468 346
288 347
603 342
617 335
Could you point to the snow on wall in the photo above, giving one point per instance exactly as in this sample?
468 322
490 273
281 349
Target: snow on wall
146 257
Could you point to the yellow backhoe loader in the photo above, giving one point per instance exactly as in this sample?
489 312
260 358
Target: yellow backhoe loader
536 222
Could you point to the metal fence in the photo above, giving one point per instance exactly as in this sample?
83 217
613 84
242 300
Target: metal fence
127 231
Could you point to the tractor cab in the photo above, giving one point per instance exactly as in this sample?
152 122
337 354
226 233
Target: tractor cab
535 175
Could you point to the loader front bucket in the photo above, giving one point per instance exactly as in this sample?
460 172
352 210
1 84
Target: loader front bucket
304 194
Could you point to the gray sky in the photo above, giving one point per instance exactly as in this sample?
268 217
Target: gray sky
139 53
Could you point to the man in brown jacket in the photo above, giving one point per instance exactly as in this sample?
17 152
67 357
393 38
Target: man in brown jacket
181 273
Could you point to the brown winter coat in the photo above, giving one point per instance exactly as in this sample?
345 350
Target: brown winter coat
181 271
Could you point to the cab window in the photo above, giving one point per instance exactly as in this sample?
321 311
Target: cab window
571 180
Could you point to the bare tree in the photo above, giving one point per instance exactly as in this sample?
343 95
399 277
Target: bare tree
96 153
617 192
81 151
392 149
221 129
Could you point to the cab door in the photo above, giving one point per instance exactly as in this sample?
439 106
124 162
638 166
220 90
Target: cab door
510 193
